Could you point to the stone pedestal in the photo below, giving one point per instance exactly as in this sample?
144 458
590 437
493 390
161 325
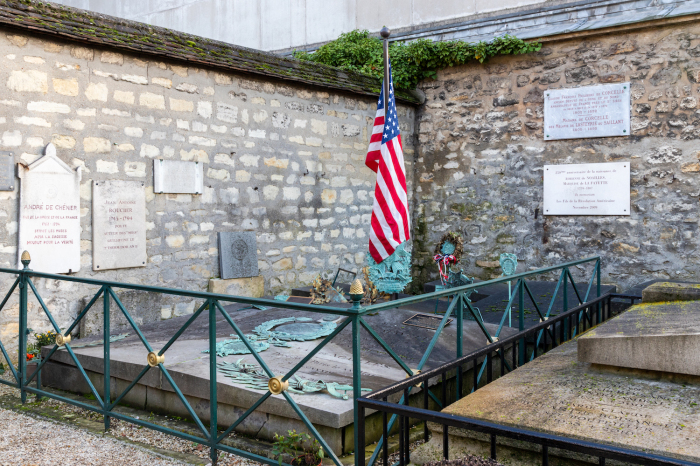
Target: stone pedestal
251 287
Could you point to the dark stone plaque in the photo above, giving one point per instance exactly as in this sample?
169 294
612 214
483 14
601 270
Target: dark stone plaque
7 171
238 254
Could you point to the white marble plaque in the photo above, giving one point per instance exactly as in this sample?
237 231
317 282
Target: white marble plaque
176 177
118 224
587 112
49 214
587 189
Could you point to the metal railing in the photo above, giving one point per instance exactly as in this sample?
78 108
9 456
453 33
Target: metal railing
539 339
211 436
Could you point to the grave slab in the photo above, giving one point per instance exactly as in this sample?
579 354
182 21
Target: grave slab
558 394
661 337
670 291
189 367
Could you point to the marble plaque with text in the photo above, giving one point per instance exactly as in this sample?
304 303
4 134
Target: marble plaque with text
177 177
118 224
49 214
238 254
587 189
587 112
7 171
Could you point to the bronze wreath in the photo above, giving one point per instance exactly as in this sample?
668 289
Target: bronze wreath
454 238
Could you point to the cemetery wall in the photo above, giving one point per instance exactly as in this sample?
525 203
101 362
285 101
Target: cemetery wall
283 159
481 151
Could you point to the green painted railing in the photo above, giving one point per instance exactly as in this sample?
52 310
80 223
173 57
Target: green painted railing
211 436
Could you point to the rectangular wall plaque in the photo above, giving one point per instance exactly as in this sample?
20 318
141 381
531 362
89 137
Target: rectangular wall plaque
587 189
118 224
176 177
7 171
587 112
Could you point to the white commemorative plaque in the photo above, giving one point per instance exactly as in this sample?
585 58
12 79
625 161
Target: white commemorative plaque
118 224
49 214
587 189
587 112
176 177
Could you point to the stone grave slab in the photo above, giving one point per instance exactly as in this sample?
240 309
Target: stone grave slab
671 291
49 214
558 394
118 224
177 177
661 337
190 367
7 171
238 254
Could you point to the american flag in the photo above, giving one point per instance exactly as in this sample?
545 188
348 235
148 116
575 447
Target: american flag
385 157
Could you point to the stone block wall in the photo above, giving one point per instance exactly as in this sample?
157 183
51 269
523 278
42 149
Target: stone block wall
283 159
480 156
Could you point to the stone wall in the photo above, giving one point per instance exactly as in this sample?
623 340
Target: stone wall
282 159
480 155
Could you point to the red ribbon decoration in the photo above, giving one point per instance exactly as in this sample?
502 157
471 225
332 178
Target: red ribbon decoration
443 262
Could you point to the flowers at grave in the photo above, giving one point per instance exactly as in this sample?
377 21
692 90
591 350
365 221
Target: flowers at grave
30 356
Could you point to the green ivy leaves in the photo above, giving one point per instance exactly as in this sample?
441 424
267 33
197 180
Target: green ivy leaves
411 62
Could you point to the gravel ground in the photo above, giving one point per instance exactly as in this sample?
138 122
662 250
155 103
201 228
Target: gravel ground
30 441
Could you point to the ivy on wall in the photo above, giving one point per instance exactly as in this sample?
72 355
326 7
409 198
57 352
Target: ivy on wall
410 62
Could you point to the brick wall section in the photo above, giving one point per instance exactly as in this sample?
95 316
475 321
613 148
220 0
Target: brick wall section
481 152
282 159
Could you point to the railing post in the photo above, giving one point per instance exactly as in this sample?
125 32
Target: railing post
107 372
460 343
565 306
521 319
22 360
357 389
597 272
213 405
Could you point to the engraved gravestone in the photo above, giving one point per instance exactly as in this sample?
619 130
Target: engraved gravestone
118 224
7 171
49 214
238 254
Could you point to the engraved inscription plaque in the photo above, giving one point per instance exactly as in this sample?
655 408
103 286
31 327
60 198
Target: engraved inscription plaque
49 214
7 171
238 254
118 224
176 177
587 112
587 189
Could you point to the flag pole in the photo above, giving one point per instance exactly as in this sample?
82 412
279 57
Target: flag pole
385 33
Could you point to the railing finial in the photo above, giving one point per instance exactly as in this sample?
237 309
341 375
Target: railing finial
26 259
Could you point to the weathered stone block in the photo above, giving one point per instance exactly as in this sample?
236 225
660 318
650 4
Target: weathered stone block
252 287
667 291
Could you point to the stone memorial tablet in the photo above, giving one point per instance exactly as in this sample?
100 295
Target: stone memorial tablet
238 254
118 224
176 177
587 189
587 112
49 214
7 171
